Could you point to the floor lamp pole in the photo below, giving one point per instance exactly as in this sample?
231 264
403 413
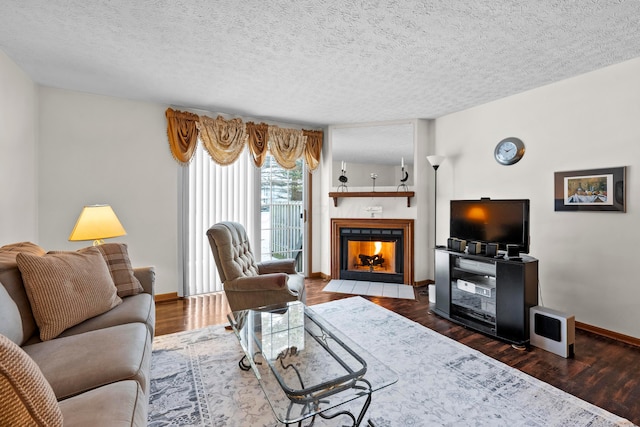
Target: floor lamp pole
435 161
435 204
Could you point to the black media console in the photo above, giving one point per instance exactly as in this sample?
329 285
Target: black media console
490 295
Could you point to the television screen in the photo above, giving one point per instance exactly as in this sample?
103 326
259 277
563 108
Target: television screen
505 222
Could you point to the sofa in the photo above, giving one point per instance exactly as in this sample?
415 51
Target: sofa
76 331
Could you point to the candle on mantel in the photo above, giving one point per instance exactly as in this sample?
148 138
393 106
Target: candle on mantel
402 163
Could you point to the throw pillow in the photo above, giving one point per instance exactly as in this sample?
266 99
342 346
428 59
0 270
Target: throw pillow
66 288
8 253
26 398
117 257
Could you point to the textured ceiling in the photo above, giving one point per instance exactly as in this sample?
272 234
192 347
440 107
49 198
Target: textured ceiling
316 62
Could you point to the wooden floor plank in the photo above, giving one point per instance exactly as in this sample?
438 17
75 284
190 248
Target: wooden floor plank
604 372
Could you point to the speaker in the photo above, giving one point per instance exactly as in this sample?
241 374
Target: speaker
450 243
474 248
492 249
552 331
513 250
456 244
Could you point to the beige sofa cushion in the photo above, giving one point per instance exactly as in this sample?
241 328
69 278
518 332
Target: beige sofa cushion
26 398
121 404
134 309
75 364
66 288
117 257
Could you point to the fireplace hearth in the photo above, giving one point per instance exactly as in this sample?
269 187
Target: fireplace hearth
374 250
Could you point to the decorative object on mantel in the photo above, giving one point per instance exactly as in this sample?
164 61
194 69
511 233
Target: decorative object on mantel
403 180
373 177
591 190
343 178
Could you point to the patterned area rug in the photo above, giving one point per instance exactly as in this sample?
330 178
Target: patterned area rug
374 289
195 380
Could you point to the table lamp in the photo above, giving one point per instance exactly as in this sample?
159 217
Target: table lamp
97 222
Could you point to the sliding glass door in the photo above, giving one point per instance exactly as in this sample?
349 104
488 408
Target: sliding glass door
282 212
269 202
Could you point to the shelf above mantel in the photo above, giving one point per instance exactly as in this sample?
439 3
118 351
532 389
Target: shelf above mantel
338 194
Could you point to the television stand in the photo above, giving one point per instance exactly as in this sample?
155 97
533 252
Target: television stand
487 294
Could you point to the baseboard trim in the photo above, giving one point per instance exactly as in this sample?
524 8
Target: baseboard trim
319 275
420 283
172 296
609 334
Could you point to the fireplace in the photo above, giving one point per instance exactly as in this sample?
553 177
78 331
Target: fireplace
375 250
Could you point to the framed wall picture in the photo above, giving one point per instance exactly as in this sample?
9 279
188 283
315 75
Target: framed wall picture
591 190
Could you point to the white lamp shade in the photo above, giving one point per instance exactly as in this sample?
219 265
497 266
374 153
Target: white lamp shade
436 160
97 222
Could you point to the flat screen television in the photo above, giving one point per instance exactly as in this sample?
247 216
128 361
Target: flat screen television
505 222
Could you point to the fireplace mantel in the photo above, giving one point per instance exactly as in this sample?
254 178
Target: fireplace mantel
338 194
405 224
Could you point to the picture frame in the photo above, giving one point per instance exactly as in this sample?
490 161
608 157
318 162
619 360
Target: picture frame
591 190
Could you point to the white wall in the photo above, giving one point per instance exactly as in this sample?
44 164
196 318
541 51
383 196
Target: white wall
587 259
18 161
97 149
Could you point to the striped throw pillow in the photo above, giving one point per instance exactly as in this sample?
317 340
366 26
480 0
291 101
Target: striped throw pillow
117 257
66 288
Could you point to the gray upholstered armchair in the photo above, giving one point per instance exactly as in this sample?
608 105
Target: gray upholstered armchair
248 284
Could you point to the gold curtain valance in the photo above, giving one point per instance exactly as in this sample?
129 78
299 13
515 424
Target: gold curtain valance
313 148
223 139
258 140
286 145
183 134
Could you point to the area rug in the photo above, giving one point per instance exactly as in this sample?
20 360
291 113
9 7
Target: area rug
374 289
195 380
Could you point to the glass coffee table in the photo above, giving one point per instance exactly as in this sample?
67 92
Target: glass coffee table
305 366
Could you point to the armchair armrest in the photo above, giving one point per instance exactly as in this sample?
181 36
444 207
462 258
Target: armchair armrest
147 278
264 282
277 266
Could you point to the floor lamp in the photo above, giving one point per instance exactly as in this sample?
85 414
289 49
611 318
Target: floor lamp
435 161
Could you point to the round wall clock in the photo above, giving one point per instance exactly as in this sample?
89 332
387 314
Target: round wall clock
509 151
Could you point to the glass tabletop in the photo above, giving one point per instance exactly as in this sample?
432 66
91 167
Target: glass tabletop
304 364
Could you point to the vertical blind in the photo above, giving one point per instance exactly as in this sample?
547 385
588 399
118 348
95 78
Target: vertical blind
215 193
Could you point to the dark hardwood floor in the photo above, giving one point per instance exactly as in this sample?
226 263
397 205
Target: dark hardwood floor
604 372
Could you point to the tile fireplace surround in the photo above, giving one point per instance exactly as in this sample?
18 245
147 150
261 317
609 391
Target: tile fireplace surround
374 223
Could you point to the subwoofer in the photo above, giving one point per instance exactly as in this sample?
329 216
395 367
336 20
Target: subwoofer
552 331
